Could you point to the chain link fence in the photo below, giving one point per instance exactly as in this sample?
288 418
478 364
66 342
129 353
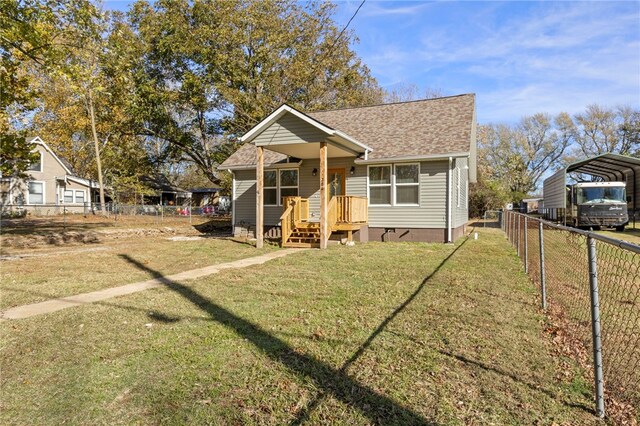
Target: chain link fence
144 213
590 284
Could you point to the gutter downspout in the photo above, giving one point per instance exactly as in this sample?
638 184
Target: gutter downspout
449 188
233 202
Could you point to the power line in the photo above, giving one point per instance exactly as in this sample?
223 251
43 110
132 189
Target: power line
330 50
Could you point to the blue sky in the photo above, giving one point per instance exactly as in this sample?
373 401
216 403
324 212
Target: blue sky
519 58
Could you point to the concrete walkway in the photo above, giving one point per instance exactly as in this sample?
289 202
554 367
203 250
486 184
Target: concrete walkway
26 311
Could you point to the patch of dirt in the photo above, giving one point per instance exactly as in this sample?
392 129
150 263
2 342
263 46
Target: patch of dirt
182 238
215 227
56 239
70 238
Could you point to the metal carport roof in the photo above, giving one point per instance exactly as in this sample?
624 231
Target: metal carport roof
614 167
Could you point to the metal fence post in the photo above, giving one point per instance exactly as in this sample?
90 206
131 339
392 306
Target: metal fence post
595 326
526 247
543 283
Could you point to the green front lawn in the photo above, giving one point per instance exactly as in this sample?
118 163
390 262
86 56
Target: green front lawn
385 333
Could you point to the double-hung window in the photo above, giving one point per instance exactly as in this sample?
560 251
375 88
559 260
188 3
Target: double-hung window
397 185
407 184
36 193
80 197
380 185
278 184
288 183
68 196
270 188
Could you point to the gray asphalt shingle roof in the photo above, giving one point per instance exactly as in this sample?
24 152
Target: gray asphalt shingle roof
418 128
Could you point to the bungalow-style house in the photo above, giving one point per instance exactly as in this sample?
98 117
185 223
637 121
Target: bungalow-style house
50 186
393 172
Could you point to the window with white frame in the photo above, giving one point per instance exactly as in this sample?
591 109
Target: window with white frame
270 188
68 196
278 184
36 193
407 179
380 185
37 165
80 197
288 183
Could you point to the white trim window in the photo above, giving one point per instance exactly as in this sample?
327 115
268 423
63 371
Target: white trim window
379 182
37 166
288 183
280 183
80 197
270 188
67 196
35 192
407 184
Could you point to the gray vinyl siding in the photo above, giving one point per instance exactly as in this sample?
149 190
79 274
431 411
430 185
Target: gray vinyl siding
289 129
245 202
310 185
430 213
461 213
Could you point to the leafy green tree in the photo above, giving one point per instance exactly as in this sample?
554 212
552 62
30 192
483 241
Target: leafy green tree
28 34
85 112
209 71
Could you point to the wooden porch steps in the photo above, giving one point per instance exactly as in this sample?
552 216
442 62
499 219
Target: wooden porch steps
305 235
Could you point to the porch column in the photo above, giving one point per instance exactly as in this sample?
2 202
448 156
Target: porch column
323 195
259 197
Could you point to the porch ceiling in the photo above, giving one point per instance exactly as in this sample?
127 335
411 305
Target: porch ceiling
311 150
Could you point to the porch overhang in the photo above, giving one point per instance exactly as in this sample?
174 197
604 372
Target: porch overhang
311 150
339 144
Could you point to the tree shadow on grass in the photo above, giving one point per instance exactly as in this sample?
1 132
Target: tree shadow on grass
380 409
304 415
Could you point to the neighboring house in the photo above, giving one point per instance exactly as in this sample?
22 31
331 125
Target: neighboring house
394 172
164 192
201 197
50 186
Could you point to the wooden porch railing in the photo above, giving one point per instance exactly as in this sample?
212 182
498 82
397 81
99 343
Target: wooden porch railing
351 209
342 210
332 215
296 211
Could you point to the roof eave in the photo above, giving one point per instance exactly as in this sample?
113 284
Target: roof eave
419 157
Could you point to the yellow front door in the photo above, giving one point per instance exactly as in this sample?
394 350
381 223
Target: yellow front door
335 182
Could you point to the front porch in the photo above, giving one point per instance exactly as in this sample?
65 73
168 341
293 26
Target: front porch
345 213
290 133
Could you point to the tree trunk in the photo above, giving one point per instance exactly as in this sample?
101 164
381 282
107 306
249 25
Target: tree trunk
97 146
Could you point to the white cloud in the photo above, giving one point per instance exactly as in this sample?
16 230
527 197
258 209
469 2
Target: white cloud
557 57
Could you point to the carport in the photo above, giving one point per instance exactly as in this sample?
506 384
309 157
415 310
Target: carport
614 167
